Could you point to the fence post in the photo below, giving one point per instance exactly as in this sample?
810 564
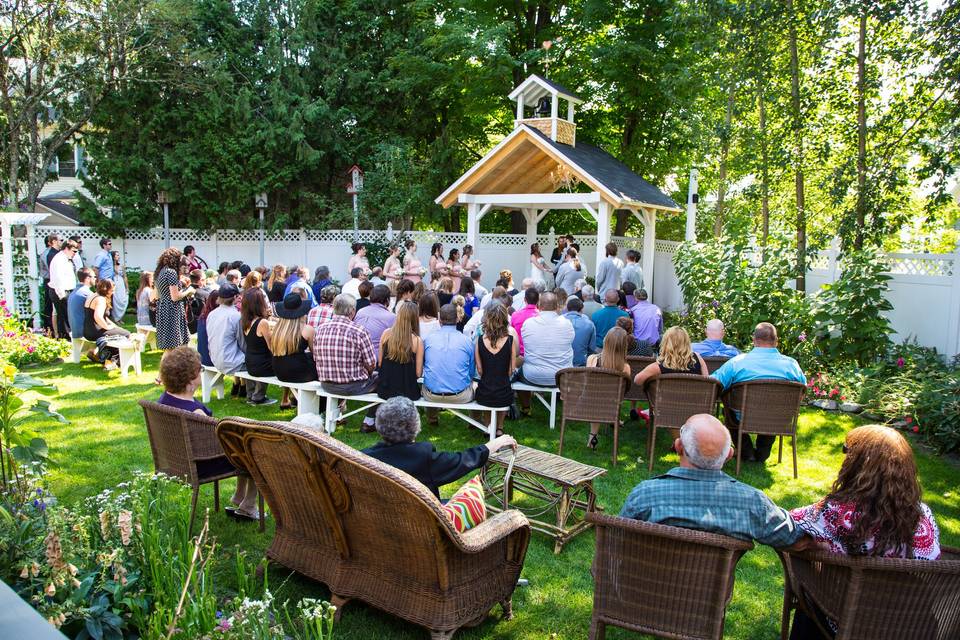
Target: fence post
34 275
303 244
390 231
216 251
953 315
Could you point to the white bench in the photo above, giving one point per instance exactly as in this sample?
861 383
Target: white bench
308 401
129 349
539 393
370 399
150 334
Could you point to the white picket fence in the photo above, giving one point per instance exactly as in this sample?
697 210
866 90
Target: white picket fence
924 289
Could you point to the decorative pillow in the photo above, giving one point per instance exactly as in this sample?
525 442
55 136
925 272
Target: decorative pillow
466 508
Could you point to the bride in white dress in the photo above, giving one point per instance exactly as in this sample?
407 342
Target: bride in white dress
539 270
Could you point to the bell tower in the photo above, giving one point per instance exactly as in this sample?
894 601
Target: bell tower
538 106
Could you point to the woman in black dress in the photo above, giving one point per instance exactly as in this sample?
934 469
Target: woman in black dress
401 355
676 356
496 356
255 324
290 341
98 325
277 283
172 294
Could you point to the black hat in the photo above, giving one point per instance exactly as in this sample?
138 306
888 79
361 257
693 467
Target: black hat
293 307
228 290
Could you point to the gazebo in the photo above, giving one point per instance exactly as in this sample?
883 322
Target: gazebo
524 172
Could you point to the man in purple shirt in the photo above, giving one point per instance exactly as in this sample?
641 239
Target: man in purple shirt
532 297
647 319
376 317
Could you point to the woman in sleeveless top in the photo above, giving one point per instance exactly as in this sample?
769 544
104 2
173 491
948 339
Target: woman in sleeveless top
97 325
254 314
289 342
613 357
676 356
496 357
276 283
467 261
412 267
392 269
454 268
401 355
429 314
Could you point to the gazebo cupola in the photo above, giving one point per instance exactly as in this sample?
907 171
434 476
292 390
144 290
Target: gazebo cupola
542 97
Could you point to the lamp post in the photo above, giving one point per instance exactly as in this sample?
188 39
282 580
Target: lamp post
163 198
692 198
260 202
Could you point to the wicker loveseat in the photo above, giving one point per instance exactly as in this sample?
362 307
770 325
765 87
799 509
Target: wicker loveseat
371 532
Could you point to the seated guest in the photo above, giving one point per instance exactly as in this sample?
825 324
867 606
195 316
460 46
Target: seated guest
203 344
502 283
676 356
629 289
519 301
289 343
364 290
401 355
255 324
698 495
419 290
635 347
97 325
376 276
496 358
591 302
276 283
531 298
376 318
352 286
584 332
613 357
344 355
398 424
647 320
447 364
764 361
180 375
606 317
78 299
713 346
429 311
479 289
548 340
474 326
146 300
323 311
874 508
404 293
321 279
562 298
298 278
445 290
225 336
222 273
470 299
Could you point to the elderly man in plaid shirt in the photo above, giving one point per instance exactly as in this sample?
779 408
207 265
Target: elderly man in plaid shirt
323 311
698 495
344 355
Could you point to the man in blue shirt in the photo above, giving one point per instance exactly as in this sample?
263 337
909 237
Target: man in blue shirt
584 332
447 364
76 301
763 362
713 346
606 317
698 495
103 261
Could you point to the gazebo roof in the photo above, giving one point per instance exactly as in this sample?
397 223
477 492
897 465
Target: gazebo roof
524 161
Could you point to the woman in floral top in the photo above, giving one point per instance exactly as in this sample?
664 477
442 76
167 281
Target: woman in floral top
874 508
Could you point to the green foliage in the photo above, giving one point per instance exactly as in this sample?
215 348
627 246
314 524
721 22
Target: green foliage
19 345
938 410
19 447
849 323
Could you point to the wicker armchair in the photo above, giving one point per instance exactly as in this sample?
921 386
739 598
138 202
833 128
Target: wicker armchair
766 407
661 580
637 364
592 394
185 445
875 598
714 362
371 532
674 397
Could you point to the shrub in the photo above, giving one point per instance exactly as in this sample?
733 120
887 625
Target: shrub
19 345
938 411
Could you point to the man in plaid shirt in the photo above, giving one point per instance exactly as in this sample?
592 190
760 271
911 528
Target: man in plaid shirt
344 355
698 495
323 311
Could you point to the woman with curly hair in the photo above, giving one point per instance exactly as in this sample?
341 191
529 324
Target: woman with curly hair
873 509
172 331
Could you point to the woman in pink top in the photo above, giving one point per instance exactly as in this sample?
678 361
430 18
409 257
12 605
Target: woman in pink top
467 261
412 267
454 268
359 258
437 265
392 270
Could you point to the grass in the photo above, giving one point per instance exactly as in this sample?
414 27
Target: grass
106 442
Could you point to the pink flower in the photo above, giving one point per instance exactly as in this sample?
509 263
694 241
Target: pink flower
834 391
916 429
3 302
900 363
30 349
802 337
908 419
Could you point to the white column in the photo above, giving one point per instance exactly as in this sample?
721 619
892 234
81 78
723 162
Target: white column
603 233
473 227
649 249
692 197
8 291
520 107
530 215
34 275
554 114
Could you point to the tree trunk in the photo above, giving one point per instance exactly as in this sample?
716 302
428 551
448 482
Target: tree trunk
764 174
797 126
861 133
724 152
620 227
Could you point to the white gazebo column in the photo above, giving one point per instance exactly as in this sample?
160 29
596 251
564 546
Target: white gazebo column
649 249
603 233
8 292
34 276
530 215
473 226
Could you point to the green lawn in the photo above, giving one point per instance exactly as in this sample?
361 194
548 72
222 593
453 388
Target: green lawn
106 442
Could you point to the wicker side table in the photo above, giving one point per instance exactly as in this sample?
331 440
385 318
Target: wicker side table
562 490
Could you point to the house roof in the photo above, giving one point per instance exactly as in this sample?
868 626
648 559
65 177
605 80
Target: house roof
60 207
534 87
526 161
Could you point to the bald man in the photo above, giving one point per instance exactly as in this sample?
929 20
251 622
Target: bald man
698 495
606 317
713 346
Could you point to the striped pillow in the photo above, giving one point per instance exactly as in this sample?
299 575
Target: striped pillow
466 508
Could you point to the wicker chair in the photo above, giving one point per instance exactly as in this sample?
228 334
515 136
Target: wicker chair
875 598
714 362
592 394
674 397
371 532
185 445
661 580
637 364
766 407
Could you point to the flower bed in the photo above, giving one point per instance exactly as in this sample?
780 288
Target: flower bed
19 345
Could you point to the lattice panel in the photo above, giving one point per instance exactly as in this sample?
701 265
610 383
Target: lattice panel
85 233
505 240
819 261
920 265
21 278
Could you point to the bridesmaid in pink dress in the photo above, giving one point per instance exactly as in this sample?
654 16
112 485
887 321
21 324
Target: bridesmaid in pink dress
467 262
359 258
437 265
392 268
454 268
412 267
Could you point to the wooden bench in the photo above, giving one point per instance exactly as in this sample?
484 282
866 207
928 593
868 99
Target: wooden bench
539 393
129 349
308 401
